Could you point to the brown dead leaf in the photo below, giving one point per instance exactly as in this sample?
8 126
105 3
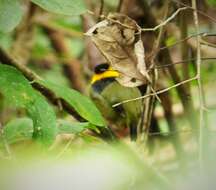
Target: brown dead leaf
118 37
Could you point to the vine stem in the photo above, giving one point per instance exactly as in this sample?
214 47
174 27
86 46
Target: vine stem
200 90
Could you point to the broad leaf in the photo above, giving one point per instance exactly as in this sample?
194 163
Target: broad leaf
17 90
18 130
82 104
44 120
65 7
10 14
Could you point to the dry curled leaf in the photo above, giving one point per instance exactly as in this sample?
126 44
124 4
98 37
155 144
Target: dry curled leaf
118 37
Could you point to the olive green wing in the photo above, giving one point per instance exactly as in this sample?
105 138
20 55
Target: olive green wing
115 93
103 105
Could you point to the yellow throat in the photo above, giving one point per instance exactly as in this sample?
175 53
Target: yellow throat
110 73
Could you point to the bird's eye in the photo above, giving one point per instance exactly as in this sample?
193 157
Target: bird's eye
101 68
95 31
133 80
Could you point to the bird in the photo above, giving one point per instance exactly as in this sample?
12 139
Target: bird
105 91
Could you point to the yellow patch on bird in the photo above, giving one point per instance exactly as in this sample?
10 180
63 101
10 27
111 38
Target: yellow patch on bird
106 74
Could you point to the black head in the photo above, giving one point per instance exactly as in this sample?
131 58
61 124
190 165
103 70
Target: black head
101 68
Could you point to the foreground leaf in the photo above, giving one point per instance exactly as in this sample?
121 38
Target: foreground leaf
65 7
81 104
17 91
21 129
18 129
10 14
72 127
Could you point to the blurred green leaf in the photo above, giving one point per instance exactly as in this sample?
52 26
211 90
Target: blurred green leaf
18 129
17 90
111 3
76 46
74 22
82 104
72 127
5 40
65 7
212 2
50 75
10 14
42 46
170 41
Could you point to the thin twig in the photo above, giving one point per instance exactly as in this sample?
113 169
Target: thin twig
169 65
64 150
173 45
183 61
101 9
161 24
157 92
183 40
149 103
201 102
119 6
175 132
202 34
203 42
166 21
198 11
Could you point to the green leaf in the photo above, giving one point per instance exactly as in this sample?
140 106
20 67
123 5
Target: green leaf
82 104
65 7
17 90
18 129
15 87
10 14
72 127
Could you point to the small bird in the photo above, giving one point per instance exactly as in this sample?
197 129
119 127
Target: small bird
105 91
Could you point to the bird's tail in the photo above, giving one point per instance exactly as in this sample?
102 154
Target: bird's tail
107 134
133 131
